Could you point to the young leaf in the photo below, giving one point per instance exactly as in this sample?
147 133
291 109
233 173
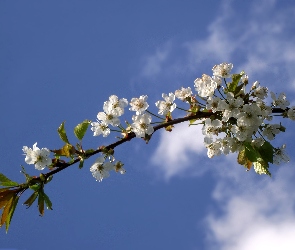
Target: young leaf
6 210
243 160
47 200
62 133
81 129
261 167
5 182
5 197
233 85
31 199
41 204
35 187
81 163
11 211
251 153
67 150
266 152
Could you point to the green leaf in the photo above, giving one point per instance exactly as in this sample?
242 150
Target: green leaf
62 133
81 163
238 89
11 211
251 153
31 199
6 210
261 167
67 150
41 204
266 152
5 182
5 196
243 160
235 81
35 187
81 129
47 201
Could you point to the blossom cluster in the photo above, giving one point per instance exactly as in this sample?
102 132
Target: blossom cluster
239 121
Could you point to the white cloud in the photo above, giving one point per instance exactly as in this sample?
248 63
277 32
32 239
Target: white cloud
257 216
172 156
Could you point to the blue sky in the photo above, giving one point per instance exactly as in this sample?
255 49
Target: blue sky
60 60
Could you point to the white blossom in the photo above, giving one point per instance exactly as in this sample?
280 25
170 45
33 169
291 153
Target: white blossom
39 157
242 132
266 111
249 116
100 128
261 92
281 101
244 79
205 86
280 155
271 130
217 79
141 125
167 105
214 149
236 145
211 127
119 167
101 169
222 70
107 119
115 106
255 85
213 103
139 104
231 107
257 142
226 144
183 93
291 113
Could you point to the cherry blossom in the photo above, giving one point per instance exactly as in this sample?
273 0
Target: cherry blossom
100 169
139 104
222 70
167 105
141 125
39 157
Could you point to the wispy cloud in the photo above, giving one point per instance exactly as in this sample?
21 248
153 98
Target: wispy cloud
153 64
261 40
